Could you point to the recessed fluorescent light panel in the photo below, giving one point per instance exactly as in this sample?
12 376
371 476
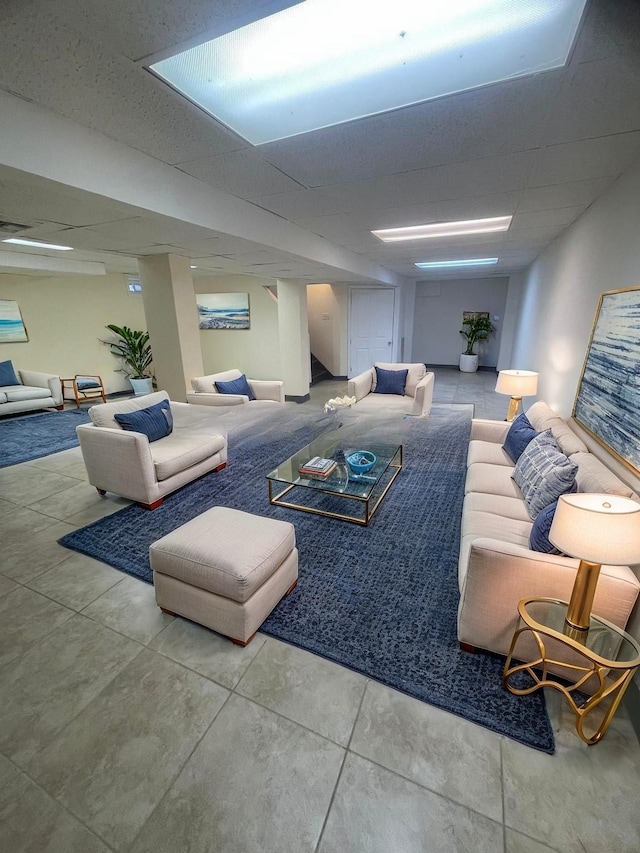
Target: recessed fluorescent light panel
21 242
468 262
444 229
324 62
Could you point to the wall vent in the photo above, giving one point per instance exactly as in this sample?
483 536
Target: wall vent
12 227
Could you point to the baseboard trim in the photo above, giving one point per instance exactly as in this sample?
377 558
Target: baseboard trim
290 398
632 704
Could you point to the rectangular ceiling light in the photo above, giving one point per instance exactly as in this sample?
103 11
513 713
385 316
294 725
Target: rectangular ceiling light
324 62
469 262
444 229
22 242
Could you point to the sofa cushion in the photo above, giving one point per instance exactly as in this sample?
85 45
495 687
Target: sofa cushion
3 397
487 451
520 434
207 384
103 415
539 539
502 505
543 417
17 393
154 421
416 373
235 386
594 476
8 374
543 473
390 381
180 451
492 480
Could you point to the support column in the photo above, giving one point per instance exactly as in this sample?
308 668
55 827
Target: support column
293 331
172 322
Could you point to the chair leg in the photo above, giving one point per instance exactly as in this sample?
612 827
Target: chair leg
153 505
467 647
101 491
60 408
220 467
242 643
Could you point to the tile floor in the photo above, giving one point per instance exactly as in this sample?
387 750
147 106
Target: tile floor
124 729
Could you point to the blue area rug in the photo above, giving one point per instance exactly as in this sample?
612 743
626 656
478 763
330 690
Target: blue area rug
380 600
32 436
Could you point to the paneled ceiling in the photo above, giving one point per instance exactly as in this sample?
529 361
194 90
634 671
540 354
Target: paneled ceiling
541 148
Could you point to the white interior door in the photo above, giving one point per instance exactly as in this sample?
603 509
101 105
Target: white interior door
370 327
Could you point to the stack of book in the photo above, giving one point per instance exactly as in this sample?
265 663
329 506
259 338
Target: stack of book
317 467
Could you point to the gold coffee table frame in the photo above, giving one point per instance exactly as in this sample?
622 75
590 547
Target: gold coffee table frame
612 667
366 498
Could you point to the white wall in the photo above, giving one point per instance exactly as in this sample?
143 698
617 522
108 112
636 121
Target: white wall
326 325
66 318
437 321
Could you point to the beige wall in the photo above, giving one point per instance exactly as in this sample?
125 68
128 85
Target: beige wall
65 318
326 325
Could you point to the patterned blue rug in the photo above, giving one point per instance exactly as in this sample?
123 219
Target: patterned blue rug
380 600
32 436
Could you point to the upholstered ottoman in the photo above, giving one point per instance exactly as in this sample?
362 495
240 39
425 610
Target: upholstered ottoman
225 569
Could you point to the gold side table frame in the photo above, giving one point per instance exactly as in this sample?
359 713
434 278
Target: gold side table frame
612 675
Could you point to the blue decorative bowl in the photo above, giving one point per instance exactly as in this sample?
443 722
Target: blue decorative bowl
361 461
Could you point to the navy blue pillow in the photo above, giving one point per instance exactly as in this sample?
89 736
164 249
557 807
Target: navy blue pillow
85 384
520 434
236 386
539 537
154 421
8 374
390 381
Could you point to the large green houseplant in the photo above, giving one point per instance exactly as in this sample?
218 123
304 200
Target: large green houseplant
476 327
133 347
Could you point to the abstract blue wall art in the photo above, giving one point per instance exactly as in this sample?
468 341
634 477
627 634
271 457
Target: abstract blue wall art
607 404
12 329
223 310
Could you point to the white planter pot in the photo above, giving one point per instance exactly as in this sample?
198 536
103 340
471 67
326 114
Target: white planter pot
141 386
468 363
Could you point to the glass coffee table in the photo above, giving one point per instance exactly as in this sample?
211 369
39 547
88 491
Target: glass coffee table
353 498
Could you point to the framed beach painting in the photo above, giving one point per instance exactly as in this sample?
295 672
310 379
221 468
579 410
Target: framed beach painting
223 310
12 328
607 402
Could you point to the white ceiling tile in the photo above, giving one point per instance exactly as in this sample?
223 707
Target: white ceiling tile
242 173
591 158
561 216
299 204
563 195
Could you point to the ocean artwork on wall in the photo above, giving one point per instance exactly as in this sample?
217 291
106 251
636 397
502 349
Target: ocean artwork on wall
12 328
607 402
223 310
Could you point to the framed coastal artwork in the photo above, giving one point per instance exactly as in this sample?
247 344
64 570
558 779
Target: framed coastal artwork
607 401
223 310
12 328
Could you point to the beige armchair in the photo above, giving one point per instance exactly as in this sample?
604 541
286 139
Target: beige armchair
205 392
417 398
128 464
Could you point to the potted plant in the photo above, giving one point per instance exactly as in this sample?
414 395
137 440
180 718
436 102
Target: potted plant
134 349
476 327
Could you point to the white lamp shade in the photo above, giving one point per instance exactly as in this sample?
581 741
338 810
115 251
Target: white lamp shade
598 528
517 383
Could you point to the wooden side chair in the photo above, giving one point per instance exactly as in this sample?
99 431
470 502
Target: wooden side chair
83 387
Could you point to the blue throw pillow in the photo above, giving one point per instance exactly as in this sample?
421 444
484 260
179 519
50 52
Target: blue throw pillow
390 381
85 384
520 434
155 421
8 374
543 473
539 537
236 386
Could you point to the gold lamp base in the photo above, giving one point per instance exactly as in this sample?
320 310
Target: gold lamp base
584 589
515 407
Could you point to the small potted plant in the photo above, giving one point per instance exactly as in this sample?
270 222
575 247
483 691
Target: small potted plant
476 327
134 349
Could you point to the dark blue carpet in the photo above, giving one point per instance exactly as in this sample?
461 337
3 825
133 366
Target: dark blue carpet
380 600
32 436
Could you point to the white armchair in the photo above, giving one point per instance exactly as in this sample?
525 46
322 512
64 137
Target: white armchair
205 392
128 464
418 391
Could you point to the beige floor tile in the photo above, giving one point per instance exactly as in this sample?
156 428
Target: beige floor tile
305 688
77 581
518 843
439 751
33 822
18 526
113 763
380 812
25 618
25 485
256 783
68 462
29 556
130 608
6 585
79 505
206 652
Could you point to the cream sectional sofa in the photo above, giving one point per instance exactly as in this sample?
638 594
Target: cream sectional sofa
497 568
128 464
35 391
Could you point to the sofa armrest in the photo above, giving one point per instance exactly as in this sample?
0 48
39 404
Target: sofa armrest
485 430
204 398
360 385
43 380
118 461
424 395
499 575
267 389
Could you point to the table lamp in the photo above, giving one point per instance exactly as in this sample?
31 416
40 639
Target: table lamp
518 384
597 529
